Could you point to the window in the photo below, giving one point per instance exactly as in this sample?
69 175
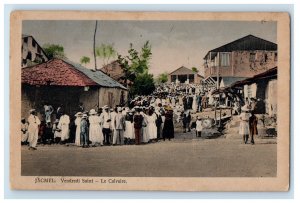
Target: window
191 78
266 57
275 57
29 56
225 59
39 50
252 57
173 78
25 39
33 43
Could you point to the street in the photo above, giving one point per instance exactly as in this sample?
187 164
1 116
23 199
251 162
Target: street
182 157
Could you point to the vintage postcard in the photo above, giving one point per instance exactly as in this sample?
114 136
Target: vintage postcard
149 101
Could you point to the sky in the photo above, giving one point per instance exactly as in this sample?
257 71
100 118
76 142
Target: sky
173 43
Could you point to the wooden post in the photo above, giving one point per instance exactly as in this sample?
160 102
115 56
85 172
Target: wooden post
220 110
215 111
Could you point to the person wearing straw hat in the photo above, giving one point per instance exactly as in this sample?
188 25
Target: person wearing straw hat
95 134
138 125
119 123
63 124
84 137
244 123
199 126
105 119
129 130
77 121
168 129
33 129
56 131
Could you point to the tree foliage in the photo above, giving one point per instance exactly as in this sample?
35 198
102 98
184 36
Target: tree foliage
137 64
194 69
106 52
143 85
54 51
85 60
162 78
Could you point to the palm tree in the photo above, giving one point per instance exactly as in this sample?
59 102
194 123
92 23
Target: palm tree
106 52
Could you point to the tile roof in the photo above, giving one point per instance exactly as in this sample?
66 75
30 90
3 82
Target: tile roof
61 72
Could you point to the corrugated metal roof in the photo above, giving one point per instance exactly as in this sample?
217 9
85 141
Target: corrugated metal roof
230 80
248 42
96 75
269 74
183 71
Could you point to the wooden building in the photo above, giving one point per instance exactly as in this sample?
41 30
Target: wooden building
184 75
244 57
63 83
32 52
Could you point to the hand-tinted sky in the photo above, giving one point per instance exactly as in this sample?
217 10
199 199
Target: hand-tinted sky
174 43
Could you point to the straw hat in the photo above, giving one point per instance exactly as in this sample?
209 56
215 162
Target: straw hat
245 108
168 108
78 114
31 110
92 112
105 107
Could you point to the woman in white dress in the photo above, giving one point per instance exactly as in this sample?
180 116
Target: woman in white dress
56 131
63 124
152 129
129 131
244 129
77 123
194 104
95 133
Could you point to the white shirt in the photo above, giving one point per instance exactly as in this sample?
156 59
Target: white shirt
105 116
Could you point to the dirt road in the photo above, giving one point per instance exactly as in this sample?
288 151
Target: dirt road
176 158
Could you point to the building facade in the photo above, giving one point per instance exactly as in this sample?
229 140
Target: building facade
63 83
262 86
184 75
116 71
32 52
244 57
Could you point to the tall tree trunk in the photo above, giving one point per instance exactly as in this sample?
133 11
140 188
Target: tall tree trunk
94 45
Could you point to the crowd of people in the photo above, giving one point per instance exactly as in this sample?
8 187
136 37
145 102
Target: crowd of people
146 119
106 126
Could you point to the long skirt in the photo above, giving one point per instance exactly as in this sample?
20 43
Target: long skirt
244 128
168 130
95 134
129 131
145 134
77 136
152 130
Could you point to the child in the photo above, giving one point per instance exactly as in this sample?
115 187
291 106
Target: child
244 123
56 131
198 126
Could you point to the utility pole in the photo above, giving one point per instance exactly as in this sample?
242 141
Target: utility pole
94 45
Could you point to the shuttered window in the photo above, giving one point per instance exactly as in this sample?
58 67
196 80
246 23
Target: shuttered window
225 59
